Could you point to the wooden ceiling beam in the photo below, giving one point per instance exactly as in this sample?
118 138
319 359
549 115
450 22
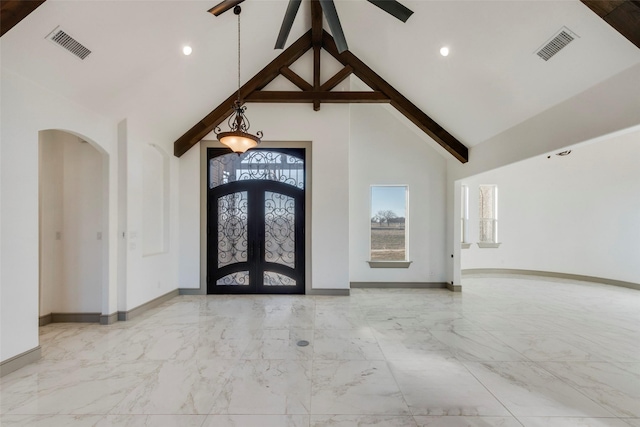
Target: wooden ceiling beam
14 11
316 22
622 15
402 104
316 37
295 78
337 78
260 80
317 96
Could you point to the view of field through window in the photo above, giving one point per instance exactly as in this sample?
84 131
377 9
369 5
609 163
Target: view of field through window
388 223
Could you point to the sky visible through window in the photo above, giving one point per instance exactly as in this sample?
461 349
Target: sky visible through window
391 198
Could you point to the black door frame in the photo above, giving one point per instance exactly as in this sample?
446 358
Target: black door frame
256 263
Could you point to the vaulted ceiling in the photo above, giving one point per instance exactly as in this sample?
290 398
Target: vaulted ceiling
491 81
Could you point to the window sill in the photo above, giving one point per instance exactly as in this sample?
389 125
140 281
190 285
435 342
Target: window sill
465 245
488 245
389 264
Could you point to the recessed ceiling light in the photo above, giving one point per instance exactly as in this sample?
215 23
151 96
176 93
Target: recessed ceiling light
187 50
444 51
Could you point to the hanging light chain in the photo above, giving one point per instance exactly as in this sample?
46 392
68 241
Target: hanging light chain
238 138
238 54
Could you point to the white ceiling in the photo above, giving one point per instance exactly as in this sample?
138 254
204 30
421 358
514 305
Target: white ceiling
491 81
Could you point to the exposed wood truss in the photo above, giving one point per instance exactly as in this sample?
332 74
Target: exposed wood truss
14 11
258 82
317 92
402 104
623 15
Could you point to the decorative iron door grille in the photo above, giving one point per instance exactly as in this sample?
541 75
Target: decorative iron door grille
255 221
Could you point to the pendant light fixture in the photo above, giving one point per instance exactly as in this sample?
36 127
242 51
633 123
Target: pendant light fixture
238 138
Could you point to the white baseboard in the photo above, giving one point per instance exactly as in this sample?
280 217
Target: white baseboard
578 277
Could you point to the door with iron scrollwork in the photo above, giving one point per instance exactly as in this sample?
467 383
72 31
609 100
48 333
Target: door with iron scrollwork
255 221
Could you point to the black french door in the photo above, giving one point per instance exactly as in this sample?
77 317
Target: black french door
255 221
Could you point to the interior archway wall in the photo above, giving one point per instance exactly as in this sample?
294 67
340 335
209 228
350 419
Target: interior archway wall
28 109
72 222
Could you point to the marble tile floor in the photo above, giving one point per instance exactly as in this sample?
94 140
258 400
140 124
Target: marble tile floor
509 351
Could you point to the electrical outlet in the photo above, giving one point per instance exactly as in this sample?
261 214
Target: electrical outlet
99 235
58 235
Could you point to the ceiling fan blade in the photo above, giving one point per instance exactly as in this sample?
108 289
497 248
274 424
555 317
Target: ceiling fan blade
287 23
393 7
225 5
330 12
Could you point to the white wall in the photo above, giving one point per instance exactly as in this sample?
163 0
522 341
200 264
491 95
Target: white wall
82 234
122 215
604 109
328 130
51 160
189 253
154 197
70 219
576 214
26 110
152 271
384 151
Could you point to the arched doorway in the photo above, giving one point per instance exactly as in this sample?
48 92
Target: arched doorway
73 233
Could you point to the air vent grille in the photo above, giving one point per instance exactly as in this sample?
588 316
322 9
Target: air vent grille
557 43
64 40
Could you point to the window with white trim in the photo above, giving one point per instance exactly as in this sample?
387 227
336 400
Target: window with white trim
464 214
389 225
488 203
